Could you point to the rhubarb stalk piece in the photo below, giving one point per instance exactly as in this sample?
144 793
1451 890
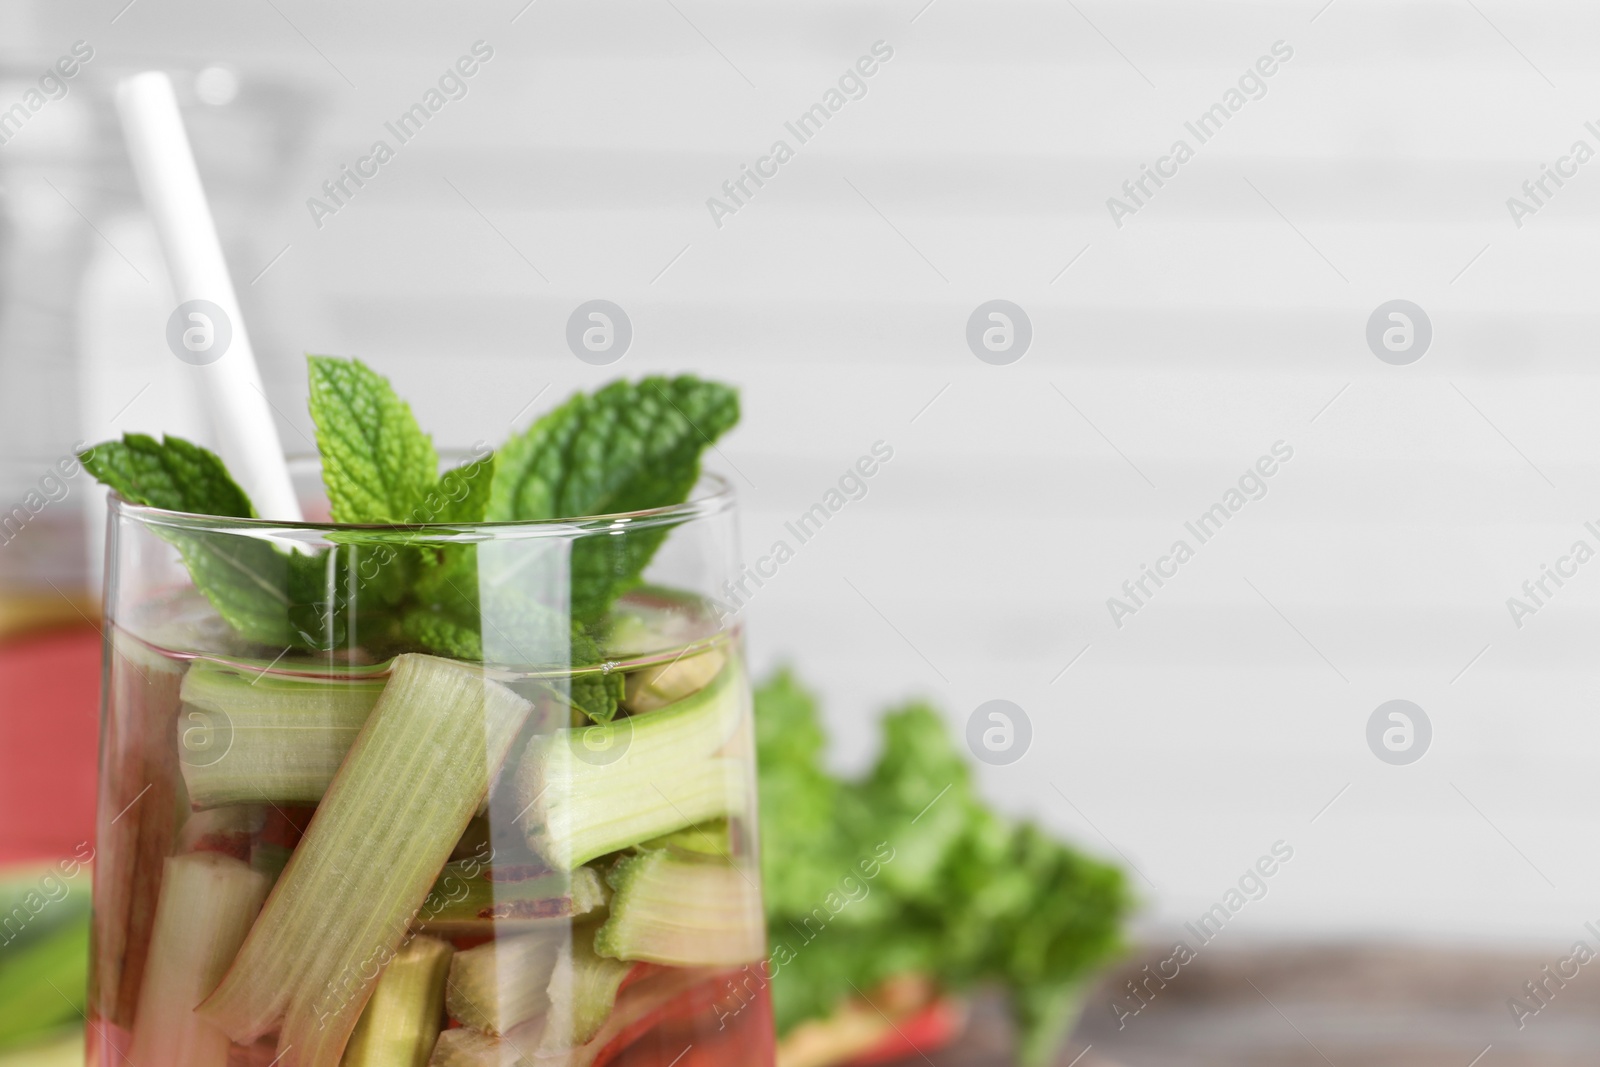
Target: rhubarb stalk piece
580 802
138 820
713 838
230 830
639 1008
683 912
514 899
402 1020
417 772
583 992
503 983
652 688
208 901
249 737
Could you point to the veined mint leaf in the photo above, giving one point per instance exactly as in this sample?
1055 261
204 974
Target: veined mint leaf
441 631
628 447
596 695
377 464
269 596
532 465
465 490
172 474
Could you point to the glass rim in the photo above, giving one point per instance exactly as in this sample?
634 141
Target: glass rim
713 494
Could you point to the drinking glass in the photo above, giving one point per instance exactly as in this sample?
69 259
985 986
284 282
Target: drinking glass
441 793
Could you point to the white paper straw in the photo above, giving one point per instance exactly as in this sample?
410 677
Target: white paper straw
247 438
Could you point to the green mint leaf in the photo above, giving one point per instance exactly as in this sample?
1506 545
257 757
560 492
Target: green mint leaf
628 447
267 595
171 474
247 581
595 693
465 492
394 571
442 632
377 464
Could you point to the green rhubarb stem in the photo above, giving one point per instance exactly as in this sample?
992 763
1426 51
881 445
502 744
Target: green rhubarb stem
684 912
581 825
402 799
583 992
713 838
402 1021
580 802
639 1008
503 983
471 900
246 737
653 688
208 901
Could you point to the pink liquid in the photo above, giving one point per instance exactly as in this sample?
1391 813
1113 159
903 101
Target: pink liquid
710 1020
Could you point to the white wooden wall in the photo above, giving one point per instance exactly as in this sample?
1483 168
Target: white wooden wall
1227 314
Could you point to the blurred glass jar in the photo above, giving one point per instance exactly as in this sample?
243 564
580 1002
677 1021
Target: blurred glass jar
84 296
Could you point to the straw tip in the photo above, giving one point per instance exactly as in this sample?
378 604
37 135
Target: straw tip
145 85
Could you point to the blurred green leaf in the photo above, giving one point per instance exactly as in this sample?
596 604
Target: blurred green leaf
967 896
44 984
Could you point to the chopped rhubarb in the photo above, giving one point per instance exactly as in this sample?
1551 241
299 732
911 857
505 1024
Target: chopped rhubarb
208 901
502 899
417 772
228 830
651 688
583 992
247 736
402 1020
465 1047
586 792
138 819
670 995
707 839
683 912
639 1007
503 983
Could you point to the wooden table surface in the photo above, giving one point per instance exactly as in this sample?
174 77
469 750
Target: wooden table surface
1327 1006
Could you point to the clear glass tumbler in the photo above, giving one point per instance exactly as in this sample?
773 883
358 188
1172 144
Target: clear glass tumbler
448 794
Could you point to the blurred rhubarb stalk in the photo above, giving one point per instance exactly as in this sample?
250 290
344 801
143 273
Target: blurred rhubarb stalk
902 1017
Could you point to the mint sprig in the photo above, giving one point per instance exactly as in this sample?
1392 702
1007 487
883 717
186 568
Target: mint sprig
631 446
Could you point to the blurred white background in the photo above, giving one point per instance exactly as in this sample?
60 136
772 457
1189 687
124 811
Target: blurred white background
1168 354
